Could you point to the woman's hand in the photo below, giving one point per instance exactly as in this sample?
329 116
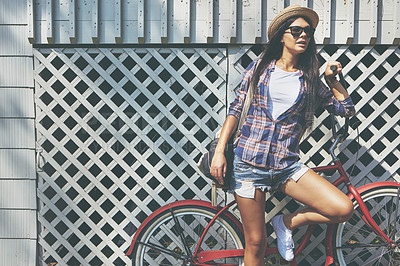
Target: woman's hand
330 75
218 163
218 167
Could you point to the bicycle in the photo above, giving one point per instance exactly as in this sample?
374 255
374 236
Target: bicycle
194 232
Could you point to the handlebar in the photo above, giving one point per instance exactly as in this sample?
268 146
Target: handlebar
342 135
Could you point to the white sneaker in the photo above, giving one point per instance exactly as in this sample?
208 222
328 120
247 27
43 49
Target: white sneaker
284 238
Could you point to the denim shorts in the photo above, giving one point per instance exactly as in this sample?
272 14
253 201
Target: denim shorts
247 178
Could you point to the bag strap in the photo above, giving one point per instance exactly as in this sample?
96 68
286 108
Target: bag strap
246 105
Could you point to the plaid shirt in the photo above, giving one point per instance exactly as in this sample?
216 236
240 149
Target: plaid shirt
274 144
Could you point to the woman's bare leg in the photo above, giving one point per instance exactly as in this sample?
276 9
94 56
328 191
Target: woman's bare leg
252 212
326 203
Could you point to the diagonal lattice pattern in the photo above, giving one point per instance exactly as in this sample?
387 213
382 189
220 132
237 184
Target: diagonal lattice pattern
121 131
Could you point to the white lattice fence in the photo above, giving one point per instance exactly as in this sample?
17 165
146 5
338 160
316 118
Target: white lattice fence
121 130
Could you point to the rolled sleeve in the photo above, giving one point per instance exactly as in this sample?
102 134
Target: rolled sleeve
348 106
236 106
343 108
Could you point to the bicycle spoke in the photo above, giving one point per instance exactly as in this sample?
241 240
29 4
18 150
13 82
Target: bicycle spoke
378 259
164 250
174 235
356 255
360 232
179 228
394 231
391 261
361 246
358 244
389 212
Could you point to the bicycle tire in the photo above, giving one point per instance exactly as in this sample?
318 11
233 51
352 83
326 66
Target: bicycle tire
355 243
164 232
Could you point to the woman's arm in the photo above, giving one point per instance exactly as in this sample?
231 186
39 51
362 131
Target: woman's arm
335 99
218 164
339 92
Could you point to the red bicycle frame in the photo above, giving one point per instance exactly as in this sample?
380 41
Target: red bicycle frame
202 257
199 258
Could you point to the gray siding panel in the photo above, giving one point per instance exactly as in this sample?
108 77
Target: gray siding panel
16 72
17 194
18 252
13 12
16 103
17 133
18 219
17 164
17 224
14 41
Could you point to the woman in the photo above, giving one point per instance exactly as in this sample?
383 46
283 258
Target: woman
287 92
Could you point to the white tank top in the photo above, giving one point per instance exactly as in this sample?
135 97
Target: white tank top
284 87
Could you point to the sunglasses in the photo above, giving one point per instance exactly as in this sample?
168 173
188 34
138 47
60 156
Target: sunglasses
296 31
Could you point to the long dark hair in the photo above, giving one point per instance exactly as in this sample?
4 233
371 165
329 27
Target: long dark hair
308 63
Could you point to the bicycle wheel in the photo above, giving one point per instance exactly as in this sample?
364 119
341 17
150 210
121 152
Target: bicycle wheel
172 236
356 244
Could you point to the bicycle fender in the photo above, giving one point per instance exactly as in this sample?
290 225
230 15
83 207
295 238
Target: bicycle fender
367 187
176 204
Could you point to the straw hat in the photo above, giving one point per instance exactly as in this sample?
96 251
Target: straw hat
289 12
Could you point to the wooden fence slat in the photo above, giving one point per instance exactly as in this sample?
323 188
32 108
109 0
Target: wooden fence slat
327 21
95 21
31 37
49 21
186 35
373 21
350 21
233 18
72 23
210 21
396 22
164 22
280 5
117 21
141 11
258 10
